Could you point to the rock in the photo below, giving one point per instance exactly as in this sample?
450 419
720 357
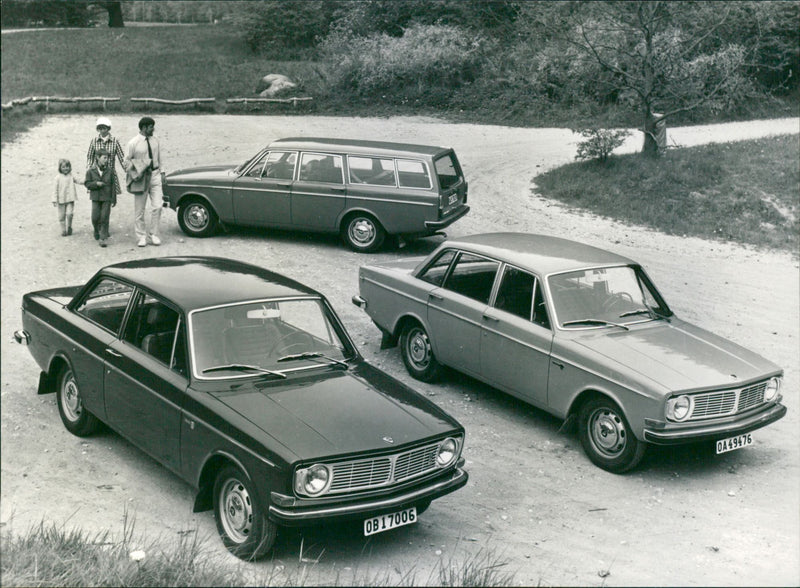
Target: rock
272 84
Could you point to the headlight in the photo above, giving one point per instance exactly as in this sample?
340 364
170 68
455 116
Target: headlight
312 481
771 391
679 408
447 452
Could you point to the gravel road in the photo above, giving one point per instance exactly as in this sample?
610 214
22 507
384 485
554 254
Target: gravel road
685 517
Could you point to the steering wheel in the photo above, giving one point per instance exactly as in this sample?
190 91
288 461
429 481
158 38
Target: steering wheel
285 345
615 300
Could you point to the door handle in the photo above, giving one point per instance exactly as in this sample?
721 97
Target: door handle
489 317
337 189
286 185
556 363
435 297
112 352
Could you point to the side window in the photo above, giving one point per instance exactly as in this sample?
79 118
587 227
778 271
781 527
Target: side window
152 327
280 165
539 307
320 167
515 294
413 174
105 304
371 170
256 169
436 271
472 276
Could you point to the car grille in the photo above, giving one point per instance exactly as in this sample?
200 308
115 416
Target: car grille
727 402
381 471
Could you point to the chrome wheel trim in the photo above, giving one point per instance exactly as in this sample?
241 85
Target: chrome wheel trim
236 510
196 217
418 348
71 398
362 231
607 432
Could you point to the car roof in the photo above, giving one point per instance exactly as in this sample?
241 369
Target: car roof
358 146
200 281
538 253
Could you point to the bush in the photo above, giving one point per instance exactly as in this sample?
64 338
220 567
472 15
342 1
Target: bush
427 59
600 143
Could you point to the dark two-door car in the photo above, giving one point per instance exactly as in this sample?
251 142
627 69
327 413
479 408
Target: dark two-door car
363 190
577 331
246 384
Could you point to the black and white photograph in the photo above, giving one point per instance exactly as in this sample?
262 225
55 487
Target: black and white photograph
400 293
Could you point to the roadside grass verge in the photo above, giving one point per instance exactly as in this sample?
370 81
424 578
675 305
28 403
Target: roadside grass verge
744 191
53 555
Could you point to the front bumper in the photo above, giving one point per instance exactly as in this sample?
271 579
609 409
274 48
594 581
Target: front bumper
715 431
448 220
304 514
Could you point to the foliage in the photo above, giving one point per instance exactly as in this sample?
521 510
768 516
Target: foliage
48 13
600 143
744 192
427 60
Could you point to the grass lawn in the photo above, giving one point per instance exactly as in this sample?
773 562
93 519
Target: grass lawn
745 191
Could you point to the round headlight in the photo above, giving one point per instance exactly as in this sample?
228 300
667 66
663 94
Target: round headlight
447 452
679 408
314 480
771 391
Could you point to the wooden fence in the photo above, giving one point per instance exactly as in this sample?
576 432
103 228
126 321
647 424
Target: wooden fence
47 100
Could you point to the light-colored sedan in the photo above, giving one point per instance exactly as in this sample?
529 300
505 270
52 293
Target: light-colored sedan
577 331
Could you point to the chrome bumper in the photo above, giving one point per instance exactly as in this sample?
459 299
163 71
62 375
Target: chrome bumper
447 221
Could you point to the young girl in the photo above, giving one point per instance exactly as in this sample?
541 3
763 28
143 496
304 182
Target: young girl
65 195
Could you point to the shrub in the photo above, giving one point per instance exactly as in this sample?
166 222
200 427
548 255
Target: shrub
599 143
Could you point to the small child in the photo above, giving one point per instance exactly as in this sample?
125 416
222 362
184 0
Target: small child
100 182
65 195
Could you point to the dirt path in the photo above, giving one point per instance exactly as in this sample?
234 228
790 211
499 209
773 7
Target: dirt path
684 518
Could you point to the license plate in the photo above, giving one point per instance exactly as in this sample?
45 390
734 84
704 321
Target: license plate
732 443
452 199
390 521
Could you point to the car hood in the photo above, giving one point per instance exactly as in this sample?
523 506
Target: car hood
207 172
678 356
339 412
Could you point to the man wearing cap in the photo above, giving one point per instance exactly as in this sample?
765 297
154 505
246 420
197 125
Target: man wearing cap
106 141
145 149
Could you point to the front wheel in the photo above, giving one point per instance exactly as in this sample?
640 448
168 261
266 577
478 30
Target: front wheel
196 218
606 436
362 233
77 420
415 347
241 522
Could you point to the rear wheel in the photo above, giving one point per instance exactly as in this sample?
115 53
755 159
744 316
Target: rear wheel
363 233
606 436
196 218
415 347
241 521
75 417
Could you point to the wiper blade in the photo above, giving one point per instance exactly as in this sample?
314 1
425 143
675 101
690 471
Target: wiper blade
638 311
591 321
312 355
242 367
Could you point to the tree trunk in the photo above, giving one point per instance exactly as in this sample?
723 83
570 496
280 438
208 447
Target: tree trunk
114 14
655 134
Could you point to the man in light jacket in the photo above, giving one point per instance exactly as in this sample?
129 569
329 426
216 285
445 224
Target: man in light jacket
145 174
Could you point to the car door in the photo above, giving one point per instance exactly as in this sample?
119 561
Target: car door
516 338
262 194
100 313
146 379
319 193
456 311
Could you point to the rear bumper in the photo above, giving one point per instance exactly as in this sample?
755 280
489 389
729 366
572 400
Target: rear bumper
448 220
713 432
294 516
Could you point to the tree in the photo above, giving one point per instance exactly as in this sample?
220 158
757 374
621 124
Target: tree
663 57
114 9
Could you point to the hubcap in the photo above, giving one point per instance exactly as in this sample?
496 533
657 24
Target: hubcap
362 231
419 349
236 511
71 399
607 432
196 217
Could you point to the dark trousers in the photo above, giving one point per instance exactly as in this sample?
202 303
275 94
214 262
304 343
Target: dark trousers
101 213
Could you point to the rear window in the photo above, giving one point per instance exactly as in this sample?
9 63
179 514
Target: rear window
447 171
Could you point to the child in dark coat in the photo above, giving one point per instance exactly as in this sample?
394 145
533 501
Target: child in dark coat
100 182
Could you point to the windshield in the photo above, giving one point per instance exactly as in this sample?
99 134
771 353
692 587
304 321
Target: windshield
267 337
238 169
603 297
